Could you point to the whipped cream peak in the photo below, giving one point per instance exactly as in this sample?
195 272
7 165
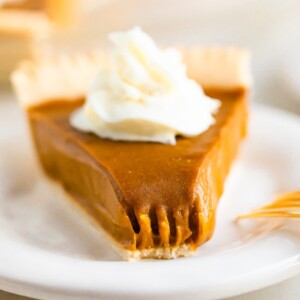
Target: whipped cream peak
145 95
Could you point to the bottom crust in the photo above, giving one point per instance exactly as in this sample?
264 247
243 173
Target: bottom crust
159 253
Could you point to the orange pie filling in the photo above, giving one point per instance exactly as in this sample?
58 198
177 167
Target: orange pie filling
146 196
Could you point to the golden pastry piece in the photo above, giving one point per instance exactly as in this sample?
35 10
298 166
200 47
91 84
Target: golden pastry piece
60 11
24 27
152 200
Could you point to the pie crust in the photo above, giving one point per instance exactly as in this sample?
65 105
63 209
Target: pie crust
69 77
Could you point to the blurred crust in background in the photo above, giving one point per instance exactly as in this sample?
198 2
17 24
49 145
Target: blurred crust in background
26 24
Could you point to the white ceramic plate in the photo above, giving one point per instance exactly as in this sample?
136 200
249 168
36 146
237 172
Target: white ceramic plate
48 252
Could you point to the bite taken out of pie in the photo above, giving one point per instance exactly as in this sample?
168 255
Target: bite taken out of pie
153 200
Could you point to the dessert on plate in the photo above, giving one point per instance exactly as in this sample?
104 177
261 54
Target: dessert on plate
143 139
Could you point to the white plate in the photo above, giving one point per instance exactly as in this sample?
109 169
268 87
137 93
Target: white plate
47 252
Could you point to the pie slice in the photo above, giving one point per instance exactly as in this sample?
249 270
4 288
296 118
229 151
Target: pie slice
152 200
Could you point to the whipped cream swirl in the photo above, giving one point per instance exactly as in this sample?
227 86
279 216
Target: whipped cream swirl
145 95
